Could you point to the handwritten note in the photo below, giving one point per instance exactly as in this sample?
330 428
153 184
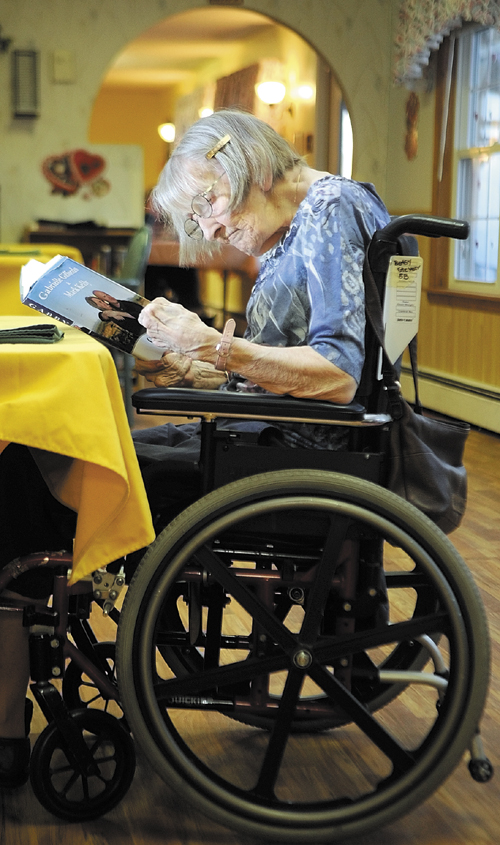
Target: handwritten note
402 303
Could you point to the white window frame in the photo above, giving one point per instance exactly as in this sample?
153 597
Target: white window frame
469 159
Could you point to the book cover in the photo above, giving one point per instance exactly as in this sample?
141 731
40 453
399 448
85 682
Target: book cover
80 297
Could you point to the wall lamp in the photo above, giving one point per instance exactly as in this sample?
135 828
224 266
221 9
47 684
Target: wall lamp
166 131
305 92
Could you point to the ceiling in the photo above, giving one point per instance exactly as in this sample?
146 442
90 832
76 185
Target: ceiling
174 50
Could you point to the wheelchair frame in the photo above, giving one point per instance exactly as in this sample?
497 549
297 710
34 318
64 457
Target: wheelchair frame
178 652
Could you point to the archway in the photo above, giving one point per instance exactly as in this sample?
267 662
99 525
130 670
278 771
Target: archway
205 59
178 66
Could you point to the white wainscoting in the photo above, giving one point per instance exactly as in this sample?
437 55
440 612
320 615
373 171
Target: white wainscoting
477 404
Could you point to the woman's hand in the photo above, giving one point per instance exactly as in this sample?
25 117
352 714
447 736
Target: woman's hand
177 370
173 327
169 371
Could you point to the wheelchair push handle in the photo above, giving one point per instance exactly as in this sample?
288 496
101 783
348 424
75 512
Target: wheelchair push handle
424 224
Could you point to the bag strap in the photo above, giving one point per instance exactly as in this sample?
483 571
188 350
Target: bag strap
373 309
412 348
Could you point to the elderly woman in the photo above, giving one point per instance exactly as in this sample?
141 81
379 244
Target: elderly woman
231 180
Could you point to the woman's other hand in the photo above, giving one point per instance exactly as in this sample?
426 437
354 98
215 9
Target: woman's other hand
169 371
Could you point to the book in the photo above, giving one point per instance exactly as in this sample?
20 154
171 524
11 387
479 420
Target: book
78 296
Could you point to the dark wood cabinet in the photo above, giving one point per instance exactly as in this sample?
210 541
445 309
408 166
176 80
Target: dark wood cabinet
102 249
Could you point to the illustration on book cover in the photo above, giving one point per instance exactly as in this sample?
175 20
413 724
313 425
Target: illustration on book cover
80 297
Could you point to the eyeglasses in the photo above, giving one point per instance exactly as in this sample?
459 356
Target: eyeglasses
202 207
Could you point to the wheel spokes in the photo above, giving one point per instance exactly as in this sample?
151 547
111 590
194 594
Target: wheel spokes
401 759
220 676
410 629
279 737
323 579
248 601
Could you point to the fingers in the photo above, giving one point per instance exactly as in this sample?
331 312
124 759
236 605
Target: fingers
168 324
174 327
170 370
160 309
144 367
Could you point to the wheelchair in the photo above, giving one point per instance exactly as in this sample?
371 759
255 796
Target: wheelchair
328 637
326 634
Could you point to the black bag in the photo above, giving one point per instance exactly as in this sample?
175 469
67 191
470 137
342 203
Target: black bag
426 466
425 454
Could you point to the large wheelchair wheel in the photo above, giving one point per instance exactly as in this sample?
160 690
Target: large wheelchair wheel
262 606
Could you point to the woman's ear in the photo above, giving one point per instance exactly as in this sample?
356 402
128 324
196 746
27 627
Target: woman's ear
268 181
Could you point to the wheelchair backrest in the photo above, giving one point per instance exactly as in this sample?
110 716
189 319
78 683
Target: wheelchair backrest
382 248
394 239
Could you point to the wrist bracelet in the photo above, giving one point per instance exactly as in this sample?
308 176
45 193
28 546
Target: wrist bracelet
224 346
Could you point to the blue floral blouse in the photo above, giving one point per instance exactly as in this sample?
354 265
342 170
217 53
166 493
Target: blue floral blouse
310 290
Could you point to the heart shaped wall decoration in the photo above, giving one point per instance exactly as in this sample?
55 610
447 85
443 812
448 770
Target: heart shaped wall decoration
68 172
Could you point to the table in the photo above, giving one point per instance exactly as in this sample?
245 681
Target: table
64 398
15 256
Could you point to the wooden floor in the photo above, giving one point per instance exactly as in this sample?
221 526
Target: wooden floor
461 812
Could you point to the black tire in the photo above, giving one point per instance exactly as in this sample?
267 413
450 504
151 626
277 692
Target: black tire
79 690
382 760
67 791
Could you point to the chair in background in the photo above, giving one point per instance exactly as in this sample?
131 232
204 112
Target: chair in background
136 260
132 276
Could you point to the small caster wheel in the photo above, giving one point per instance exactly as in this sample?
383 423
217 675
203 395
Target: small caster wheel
71 793
481 770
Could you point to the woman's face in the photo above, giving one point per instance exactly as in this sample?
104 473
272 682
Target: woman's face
253 228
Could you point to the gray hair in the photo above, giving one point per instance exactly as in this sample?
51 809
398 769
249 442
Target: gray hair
254 155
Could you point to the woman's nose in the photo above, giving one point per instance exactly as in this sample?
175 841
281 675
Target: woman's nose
210 227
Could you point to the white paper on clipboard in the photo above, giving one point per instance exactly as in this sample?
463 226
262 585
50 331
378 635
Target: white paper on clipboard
401 303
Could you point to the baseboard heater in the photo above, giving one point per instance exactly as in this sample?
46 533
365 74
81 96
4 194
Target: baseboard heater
474 403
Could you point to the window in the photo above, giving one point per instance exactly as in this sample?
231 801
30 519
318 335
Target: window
476 163
346 142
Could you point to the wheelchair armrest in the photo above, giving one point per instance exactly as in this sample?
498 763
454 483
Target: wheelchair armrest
210 404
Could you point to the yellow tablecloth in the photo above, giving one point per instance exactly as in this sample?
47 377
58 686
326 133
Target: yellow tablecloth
12 258
65 398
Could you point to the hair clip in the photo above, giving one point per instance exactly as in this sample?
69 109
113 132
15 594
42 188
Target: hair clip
218 147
